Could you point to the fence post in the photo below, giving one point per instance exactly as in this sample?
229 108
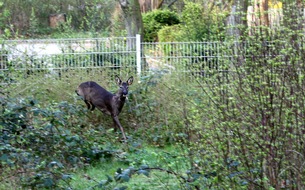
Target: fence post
138 52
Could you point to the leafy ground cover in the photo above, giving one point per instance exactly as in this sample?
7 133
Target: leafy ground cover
147 163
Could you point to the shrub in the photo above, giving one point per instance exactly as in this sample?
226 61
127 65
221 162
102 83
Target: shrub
44 143
156 20
170 34
199 24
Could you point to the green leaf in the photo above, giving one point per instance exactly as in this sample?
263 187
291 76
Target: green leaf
119 170
109 179
121 188
66 176
144 166
122 178
48 182
102 183
144 172
4 157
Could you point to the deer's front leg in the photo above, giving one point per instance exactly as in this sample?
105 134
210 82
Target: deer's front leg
90 106
117 122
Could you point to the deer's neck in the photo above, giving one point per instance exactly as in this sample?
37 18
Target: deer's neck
119 101
121 98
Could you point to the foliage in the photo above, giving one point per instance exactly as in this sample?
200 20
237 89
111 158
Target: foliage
255 113
242 126
156 20
200 24
94 18
86 16
33 29
38 144
238 127
236 124
197 24
4 16
170 34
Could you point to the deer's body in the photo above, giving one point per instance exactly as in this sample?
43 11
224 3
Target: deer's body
111 104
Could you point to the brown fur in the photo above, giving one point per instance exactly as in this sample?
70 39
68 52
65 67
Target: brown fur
111 104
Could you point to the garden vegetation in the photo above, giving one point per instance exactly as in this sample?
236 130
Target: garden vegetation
235 125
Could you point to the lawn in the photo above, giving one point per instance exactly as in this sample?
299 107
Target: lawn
102 173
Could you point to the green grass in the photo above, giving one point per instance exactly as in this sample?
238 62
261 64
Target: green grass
168 157
91 176
46 86
9 183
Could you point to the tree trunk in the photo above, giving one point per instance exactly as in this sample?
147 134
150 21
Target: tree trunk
133 24
263 9
238 18
149 5
132 17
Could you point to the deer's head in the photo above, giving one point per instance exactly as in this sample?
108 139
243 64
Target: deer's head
123 85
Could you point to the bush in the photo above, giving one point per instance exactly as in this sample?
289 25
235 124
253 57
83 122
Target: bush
44 143
170 34
15 19
200 24
156 20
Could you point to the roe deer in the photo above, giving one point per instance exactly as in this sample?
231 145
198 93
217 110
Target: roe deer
111 104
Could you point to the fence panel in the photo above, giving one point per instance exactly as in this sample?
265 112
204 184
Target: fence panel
21 58
192 58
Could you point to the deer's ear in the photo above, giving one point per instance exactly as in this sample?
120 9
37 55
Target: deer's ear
118 80
130 80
